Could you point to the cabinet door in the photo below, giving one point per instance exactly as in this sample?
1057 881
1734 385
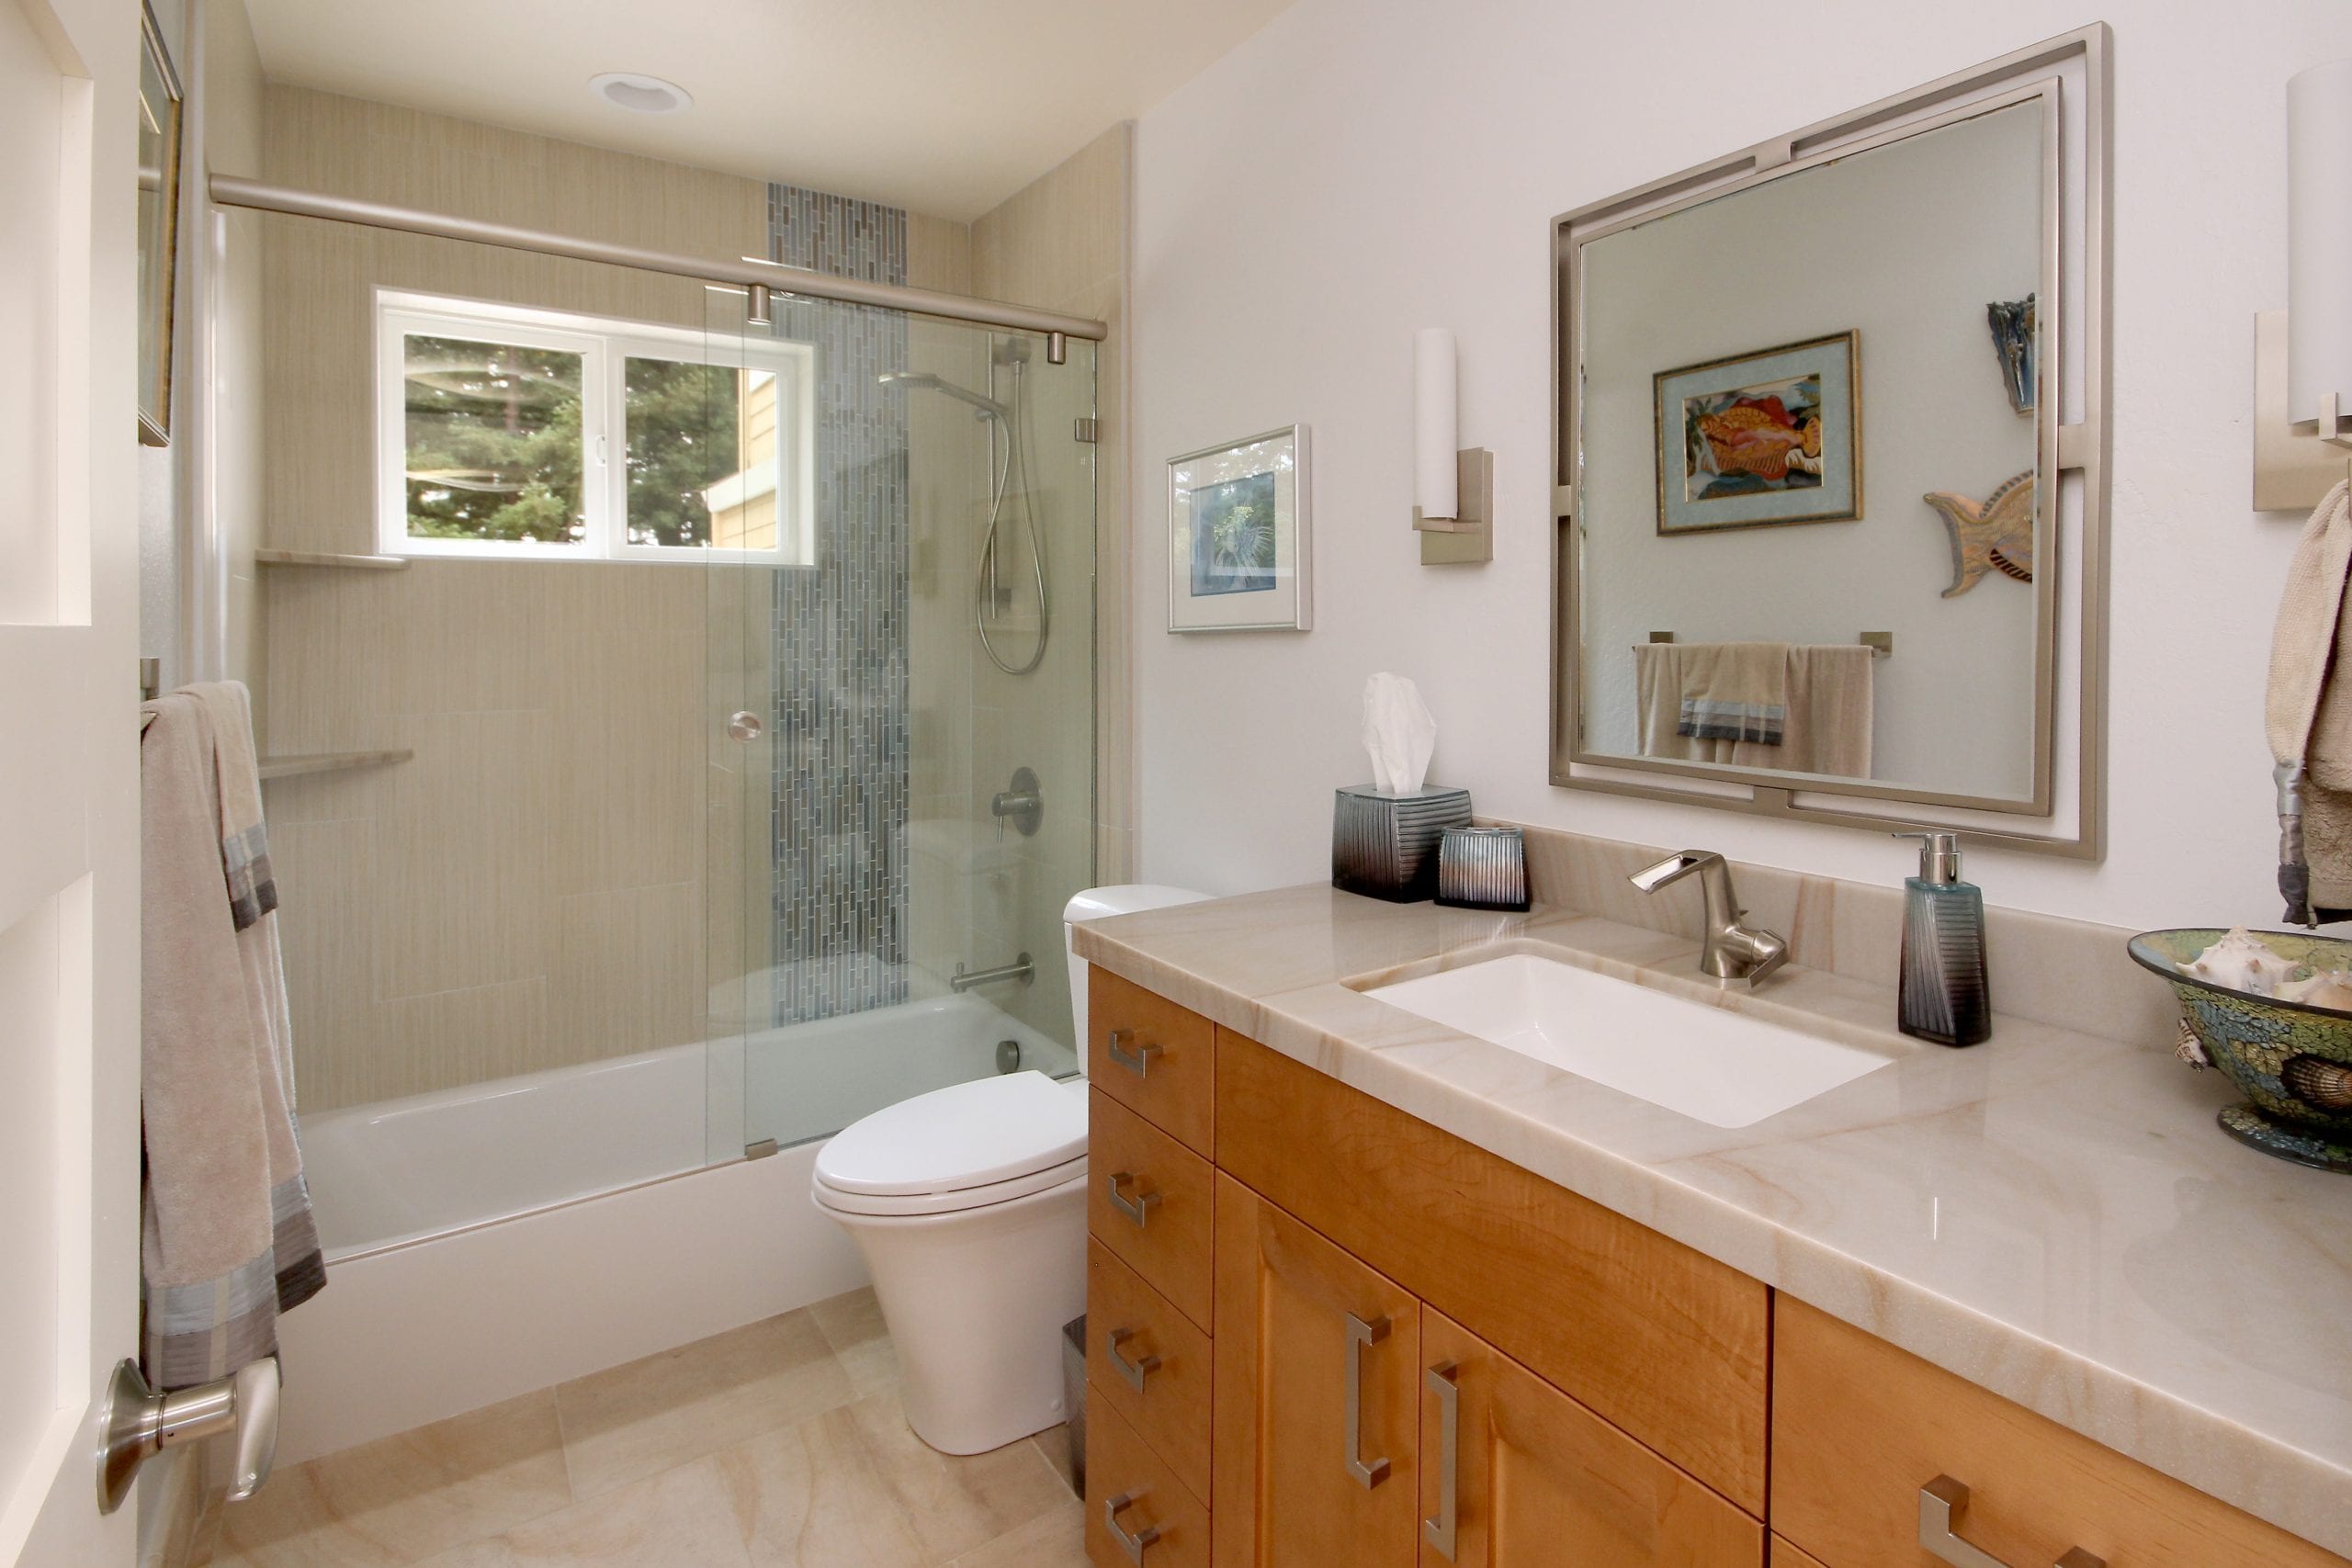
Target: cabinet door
1315 1415
1527 1476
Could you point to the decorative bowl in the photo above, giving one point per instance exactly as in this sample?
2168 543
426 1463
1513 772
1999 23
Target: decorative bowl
2292 1060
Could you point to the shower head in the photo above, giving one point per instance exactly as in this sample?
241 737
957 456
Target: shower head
989 407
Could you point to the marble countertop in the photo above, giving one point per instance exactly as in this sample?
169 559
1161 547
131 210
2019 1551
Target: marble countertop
2052 1215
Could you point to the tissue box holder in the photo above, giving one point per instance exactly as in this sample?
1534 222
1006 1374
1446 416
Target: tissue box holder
1385 846
1482 868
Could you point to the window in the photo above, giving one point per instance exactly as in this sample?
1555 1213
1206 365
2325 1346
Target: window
515 433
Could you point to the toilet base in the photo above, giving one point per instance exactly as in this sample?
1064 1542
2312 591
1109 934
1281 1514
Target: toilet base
975 1302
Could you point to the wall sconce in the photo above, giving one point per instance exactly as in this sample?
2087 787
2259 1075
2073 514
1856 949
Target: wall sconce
1454 489
2302 355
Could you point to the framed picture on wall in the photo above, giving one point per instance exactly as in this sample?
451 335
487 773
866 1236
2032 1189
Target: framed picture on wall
1761 439
1238 546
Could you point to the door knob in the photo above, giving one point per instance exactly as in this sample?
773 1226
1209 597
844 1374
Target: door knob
141 1424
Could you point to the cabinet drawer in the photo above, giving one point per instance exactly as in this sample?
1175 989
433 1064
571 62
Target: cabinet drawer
1119 1465
1157 1374
1153 1057
1149 1201
1860 1427
1534 1478
1656 1338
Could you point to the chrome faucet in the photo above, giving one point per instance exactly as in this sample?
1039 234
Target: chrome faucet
1732 951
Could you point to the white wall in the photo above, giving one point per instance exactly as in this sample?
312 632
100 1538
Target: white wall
1363 167
1902 246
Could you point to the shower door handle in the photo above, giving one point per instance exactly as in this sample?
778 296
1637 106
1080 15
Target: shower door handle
1137 1208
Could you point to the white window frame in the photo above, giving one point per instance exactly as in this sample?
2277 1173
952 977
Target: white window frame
605 346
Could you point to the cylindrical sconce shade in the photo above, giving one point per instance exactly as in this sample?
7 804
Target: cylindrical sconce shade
1435 485
2319 240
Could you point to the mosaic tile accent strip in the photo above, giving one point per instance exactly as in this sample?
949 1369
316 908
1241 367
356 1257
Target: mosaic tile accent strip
840 817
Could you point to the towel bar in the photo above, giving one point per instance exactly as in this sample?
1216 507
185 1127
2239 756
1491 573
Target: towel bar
1881 644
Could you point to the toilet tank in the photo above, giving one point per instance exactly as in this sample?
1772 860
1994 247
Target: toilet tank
1094 904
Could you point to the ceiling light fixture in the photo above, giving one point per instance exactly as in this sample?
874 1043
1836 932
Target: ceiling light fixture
641 93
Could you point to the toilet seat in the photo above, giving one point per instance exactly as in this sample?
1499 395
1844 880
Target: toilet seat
970 1146
922 1205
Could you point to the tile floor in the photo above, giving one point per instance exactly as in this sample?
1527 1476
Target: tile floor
777 1445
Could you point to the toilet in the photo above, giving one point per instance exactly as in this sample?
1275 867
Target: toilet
969 1206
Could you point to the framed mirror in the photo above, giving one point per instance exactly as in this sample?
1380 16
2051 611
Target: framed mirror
159 190
1831 471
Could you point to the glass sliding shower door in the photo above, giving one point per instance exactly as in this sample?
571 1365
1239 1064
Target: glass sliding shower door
901 714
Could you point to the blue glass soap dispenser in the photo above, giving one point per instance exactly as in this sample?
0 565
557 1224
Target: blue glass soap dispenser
1945 994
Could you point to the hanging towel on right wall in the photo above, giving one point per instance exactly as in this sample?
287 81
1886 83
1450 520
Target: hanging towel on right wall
2308 718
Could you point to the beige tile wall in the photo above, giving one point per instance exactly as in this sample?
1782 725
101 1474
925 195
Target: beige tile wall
233 94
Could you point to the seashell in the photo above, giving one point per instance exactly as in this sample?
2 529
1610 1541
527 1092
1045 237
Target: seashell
2190 1049
2241 961
2329 989
2318 1082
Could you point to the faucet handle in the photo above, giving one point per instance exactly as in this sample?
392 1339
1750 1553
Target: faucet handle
1775 951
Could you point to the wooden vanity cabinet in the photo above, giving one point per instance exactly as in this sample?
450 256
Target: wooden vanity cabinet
1657 1340
1581 1389
1860 1425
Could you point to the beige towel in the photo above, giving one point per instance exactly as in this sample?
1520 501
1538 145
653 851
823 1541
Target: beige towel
1735 691
227 1240
2307 715
1828 727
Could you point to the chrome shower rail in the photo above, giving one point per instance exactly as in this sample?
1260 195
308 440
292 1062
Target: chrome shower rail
230 191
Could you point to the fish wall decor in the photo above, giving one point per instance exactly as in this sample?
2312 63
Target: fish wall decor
1992 534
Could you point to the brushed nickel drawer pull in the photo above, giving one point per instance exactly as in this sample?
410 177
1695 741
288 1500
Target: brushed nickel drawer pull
1137 1061
1443 1380
1942 1502
1360 1334
1133 1545
1137 1208
1135 1371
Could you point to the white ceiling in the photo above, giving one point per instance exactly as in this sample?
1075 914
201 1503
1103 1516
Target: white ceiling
944 107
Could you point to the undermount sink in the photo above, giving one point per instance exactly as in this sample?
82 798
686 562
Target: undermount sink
1708 1063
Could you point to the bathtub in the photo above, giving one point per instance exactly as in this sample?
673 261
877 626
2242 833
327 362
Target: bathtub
487 1241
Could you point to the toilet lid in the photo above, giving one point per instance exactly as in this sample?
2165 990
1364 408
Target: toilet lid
968 1134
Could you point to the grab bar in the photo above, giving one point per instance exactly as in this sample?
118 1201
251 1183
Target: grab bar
1020 969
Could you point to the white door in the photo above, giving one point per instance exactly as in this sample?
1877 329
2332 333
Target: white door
69 767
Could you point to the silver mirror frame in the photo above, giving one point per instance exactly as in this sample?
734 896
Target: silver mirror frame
2080 447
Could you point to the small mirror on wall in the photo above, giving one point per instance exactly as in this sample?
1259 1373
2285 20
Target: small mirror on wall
159 187
1833 506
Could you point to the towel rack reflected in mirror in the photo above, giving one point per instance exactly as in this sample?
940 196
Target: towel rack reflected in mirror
1881 644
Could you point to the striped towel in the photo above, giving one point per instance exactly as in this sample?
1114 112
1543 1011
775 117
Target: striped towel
227 1240
1734 691
1704 718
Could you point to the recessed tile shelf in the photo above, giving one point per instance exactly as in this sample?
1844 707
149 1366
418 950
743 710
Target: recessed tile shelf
322 557
329 762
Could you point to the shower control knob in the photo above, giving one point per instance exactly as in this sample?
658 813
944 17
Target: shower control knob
745 725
